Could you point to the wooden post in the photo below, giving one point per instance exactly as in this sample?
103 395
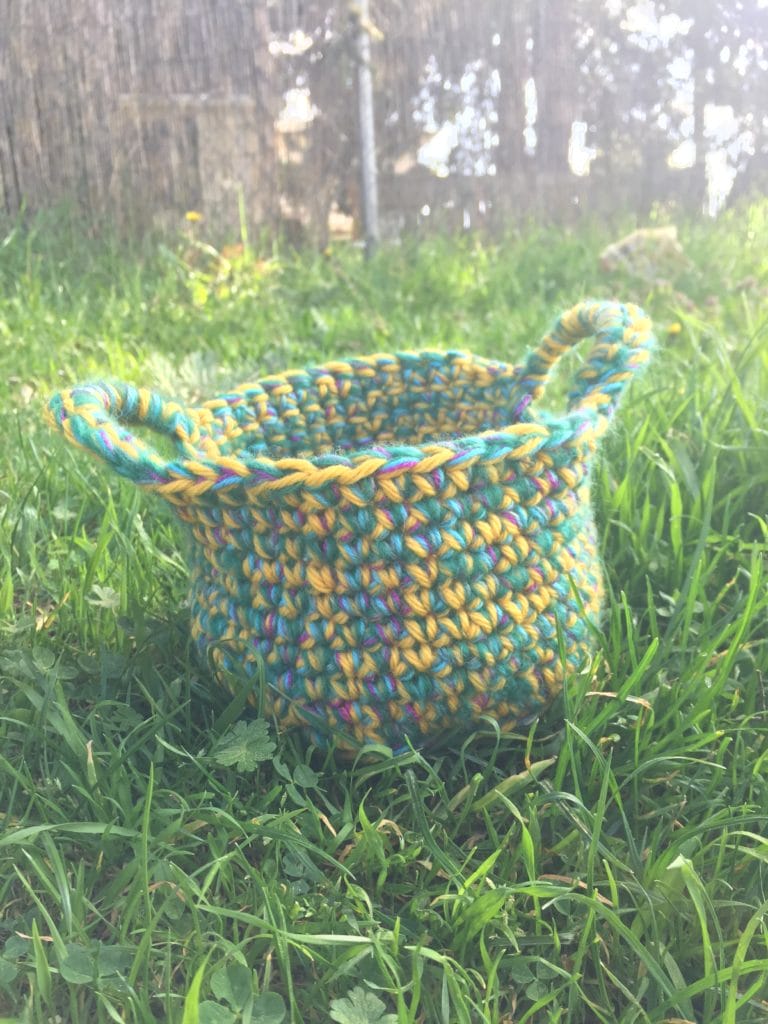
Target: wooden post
368 175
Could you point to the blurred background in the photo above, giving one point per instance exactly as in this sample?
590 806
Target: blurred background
487 112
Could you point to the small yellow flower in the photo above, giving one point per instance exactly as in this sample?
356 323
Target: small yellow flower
674 328
193 216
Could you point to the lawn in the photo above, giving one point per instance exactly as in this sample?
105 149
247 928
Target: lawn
607 864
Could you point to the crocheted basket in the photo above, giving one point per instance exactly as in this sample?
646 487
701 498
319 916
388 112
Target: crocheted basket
398 540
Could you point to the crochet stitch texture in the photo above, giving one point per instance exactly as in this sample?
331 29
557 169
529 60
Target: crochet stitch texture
394 583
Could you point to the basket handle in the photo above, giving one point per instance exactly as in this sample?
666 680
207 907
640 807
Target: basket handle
92 416
624 341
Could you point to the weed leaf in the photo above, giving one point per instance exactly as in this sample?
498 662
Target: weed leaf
233 984
360 1007
268 1008
8 971
245 746
305 776
215 1013
79 966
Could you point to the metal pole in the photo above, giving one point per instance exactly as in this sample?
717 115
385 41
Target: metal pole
368 175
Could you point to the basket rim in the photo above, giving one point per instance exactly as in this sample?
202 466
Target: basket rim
202 468
95 416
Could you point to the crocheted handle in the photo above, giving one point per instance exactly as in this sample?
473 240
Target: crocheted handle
92 416
623 344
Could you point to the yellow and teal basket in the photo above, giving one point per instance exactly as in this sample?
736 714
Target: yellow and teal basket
399 541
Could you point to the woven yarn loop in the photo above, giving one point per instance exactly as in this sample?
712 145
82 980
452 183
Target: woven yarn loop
396 540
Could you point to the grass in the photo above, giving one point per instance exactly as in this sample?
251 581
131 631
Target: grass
609 864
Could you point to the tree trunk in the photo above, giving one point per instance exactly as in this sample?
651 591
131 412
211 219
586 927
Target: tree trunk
513 164
556 94
696 189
